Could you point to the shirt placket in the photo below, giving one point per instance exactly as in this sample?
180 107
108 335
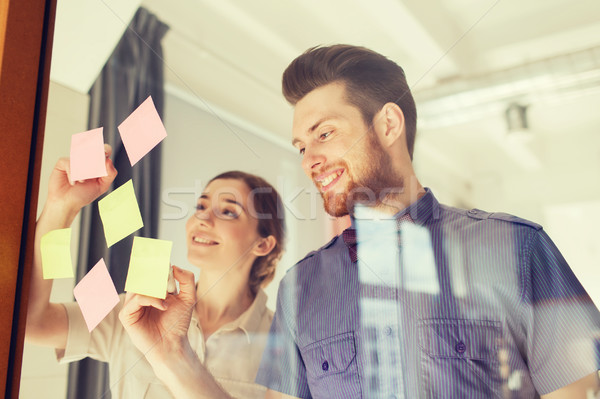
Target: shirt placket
381 326
196 337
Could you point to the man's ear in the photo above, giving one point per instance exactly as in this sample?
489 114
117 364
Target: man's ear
389 124
264 246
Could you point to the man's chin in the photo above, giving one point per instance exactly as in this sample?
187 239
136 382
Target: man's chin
335 207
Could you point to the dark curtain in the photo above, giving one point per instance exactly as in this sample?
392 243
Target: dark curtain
132 73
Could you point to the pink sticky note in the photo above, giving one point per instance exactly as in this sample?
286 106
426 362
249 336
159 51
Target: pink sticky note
142 131
96 295
87 155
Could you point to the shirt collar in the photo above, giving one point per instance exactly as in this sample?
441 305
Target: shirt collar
422 209
247 321
419 211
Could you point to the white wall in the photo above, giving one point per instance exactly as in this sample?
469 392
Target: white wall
574 229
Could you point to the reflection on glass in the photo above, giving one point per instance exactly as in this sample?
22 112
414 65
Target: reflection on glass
450 310
381 322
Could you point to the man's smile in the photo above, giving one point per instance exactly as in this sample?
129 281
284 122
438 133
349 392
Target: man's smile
327 180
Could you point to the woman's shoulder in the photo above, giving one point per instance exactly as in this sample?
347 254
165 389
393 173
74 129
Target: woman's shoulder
261 315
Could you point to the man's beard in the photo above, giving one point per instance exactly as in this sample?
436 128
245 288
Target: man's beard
376 181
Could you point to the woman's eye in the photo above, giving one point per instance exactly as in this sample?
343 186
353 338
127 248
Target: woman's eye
230 213
200 207
301 151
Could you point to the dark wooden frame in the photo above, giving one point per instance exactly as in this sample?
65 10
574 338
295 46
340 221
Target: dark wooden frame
26 31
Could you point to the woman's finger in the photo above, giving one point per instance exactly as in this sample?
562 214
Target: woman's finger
64 165
171 284
111 170
185 279
135 302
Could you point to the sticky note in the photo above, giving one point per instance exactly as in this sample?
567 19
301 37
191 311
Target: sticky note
149 267
142 131
120 213
56 254
96 295
87 159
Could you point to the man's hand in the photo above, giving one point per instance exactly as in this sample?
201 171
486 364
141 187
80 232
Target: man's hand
158 328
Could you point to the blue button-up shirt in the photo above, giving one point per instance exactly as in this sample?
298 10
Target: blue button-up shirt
465 304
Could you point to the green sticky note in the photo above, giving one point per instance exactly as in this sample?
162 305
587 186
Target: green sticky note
149 267
56 254
120 213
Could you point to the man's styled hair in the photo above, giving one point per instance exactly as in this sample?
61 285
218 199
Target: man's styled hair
268 206
371 80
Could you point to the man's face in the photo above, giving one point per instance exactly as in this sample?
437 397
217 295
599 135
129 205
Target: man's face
340 154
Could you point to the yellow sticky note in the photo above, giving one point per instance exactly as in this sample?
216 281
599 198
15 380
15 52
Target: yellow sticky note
149 267
56 254
120 213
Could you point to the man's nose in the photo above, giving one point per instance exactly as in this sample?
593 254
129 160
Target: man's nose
313 158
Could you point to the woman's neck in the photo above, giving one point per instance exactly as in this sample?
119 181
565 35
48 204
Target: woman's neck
222 298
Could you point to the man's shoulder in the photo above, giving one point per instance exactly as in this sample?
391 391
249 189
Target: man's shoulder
475 215
316 252
310 261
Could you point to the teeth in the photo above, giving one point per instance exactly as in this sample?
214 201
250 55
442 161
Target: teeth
330 178
203 240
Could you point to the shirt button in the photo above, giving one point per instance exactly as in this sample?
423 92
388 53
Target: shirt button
387 330
325 366
460 347
473 211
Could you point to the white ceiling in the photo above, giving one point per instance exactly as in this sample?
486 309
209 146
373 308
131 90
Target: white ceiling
466 60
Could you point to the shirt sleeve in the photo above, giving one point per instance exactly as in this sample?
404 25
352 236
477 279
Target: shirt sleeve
96 344
282 368
563 324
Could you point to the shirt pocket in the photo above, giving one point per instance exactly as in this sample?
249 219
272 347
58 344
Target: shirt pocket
459 358
331 367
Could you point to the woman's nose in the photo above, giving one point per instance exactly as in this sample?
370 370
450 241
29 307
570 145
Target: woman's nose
205 216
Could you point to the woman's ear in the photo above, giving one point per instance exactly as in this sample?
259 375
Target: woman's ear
264 246
389 124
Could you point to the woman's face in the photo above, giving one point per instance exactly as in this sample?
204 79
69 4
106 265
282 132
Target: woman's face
223 232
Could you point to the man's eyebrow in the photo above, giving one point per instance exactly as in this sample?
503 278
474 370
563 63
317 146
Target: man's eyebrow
316 125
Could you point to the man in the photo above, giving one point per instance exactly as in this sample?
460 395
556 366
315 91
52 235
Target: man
517 323
506 319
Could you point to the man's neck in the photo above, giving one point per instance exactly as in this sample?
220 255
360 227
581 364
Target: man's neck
395 202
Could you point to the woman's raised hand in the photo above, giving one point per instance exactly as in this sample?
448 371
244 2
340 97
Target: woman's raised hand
75 195
157 327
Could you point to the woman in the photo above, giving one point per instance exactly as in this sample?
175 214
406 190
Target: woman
235 237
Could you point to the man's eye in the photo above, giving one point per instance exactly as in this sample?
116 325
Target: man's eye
200 207
325 135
